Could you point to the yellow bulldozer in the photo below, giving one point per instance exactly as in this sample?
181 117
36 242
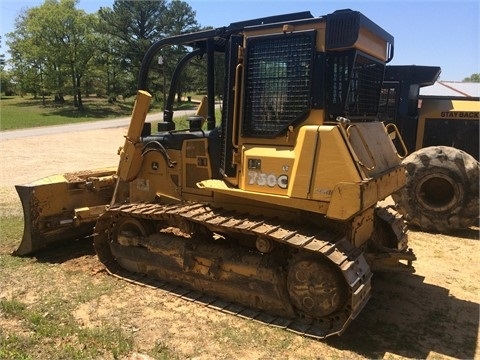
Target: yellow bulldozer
274 213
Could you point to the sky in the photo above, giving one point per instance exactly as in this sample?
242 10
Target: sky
427 32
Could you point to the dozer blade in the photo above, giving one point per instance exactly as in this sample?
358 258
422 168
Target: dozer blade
63 207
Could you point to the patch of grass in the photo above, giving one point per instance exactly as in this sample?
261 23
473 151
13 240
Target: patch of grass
14 346
11 228
90 292
50 329
12 307
43 326
18 113
162 351
26 112
248 335
112 339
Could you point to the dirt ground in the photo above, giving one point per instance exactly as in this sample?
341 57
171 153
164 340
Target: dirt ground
433 313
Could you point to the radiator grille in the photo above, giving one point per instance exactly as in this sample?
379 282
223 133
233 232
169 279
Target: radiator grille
278 82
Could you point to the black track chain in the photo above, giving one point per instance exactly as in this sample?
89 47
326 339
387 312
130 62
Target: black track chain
338 250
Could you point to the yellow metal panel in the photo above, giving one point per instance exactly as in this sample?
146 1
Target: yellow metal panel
389 183
367 41
348 199
267 169
202 109
445 109
372 44
155 177
139 113
238 197
196 166
304 161
362 227
130 158
293 136
345 202
451 109
333 163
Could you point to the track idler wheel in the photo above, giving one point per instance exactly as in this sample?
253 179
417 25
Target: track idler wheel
128 229
316 288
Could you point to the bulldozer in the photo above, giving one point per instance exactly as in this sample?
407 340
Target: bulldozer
441 136
275 213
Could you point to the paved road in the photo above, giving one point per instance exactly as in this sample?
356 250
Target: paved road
90 125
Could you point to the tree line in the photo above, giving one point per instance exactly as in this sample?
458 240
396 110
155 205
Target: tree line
57 49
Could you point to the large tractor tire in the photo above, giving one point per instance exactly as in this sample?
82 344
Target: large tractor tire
441 191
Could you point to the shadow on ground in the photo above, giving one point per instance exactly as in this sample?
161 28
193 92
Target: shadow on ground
64 251
410 318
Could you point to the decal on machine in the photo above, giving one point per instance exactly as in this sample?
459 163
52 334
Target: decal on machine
327 192
460 114
270 180
143 184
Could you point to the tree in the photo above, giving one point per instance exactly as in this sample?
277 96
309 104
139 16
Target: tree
180 19
106 77
59 49
25 59
133 26
472 78
6 85
51 43
2 57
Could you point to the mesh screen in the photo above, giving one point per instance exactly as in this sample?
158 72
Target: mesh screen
463 135
278 82
356 83
388 104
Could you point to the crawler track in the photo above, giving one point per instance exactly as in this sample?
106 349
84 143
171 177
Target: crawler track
309 241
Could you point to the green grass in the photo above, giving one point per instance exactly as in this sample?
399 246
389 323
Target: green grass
50 323
44 326
25 112
11 228
37 311
162 351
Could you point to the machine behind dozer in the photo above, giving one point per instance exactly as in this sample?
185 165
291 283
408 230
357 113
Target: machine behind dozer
276 209
441 135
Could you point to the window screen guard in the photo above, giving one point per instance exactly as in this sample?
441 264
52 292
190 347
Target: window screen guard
355 81
278 82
